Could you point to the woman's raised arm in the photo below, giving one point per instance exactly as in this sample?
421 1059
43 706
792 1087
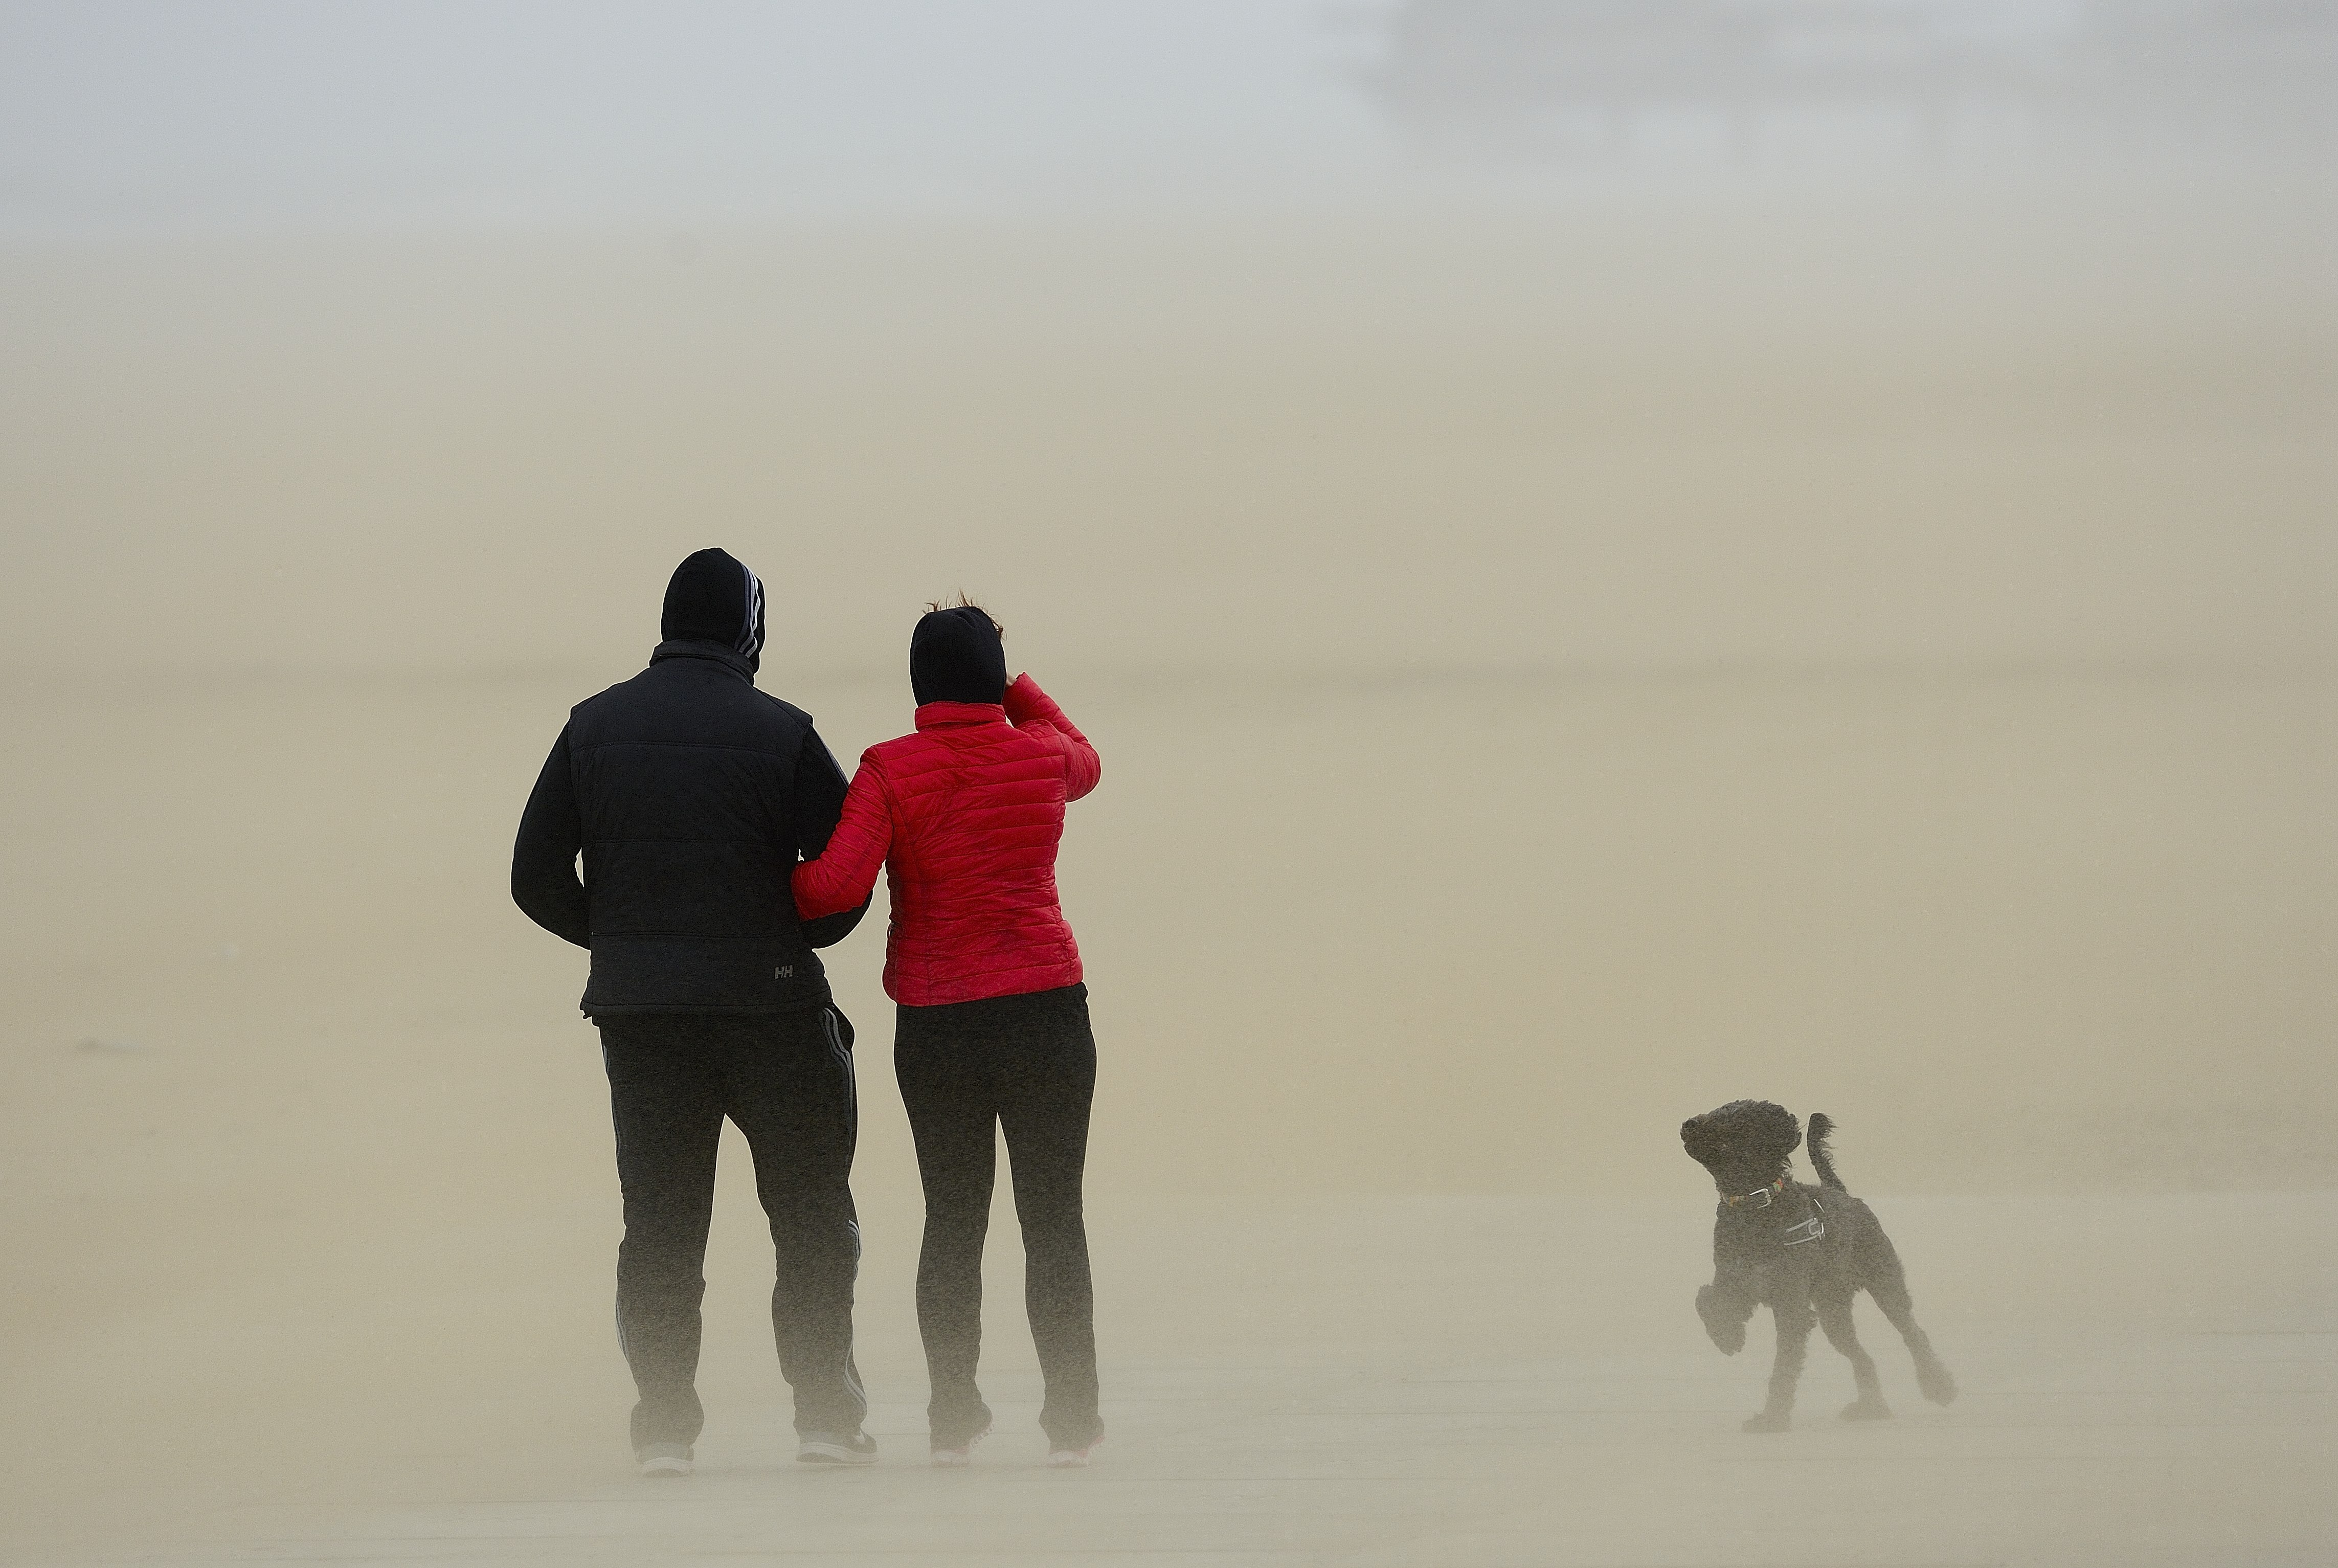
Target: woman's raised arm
1033 711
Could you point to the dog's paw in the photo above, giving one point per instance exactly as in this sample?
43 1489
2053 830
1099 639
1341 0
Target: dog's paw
1728 1335
1867 1410
1934 1380
1766 1422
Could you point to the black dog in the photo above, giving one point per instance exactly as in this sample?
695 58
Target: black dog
1804 1250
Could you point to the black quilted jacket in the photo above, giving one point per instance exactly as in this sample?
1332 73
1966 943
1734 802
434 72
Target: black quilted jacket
691 796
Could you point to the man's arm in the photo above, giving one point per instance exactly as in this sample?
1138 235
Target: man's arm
1035 713
544 879
818 805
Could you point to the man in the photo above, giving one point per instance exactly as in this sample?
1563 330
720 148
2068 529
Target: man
692 795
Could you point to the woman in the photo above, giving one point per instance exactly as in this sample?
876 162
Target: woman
992 1021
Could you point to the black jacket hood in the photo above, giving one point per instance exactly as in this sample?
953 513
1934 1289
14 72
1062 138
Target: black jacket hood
714 598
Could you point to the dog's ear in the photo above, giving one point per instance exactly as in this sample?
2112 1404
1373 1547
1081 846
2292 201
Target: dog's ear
1781 1125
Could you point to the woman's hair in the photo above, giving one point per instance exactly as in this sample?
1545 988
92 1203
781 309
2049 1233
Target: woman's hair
935 608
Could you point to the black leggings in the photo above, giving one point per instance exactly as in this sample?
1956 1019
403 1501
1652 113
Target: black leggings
786 1079
1027 1063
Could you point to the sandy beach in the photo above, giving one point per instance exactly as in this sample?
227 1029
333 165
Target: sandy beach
1339 1394
1558 665
314 1257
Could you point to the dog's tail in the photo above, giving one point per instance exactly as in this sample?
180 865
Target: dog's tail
1823 1128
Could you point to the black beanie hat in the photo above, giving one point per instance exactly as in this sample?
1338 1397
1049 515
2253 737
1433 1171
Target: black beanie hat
956 656
714 598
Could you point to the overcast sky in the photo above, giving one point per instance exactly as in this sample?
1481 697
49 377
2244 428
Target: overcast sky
161 116
140 114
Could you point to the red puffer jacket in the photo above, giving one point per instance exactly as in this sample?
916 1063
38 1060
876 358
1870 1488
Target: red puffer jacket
965 815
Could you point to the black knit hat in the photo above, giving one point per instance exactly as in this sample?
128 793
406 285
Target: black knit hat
956 656
714 598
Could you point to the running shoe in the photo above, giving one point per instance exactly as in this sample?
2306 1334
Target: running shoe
664 1459
960 1456
1074 1458
836 1448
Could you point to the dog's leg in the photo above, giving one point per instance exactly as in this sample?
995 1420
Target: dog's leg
1834 1316
1794 1319
1887 1283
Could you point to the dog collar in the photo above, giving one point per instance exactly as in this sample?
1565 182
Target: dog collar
1760 1197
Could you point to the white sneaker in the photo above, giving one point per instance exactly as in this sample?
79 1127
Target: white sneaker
1075 1458
962 1455
663 1458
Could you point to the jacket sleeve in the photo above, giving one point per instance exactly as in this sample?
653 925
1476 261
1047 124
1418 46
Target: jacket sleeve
543 880
846 870
819 804
1035 713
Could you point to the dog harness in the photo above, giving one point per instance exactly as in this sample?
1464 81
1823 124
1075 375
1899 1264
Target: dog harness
1797 1235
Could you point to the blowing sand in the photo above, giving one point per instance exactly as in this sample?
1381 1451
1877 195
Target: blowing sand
315 1207
1546 688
